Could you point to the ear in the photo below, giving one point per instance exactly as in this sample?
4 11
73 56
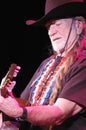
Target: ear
79 26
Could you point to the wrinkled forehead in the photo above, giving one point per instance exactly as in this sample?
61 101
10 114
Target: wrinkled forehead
52 21
58 21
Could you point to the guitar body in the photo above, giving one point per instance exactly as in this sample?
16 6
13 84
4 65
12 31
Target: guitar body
22 102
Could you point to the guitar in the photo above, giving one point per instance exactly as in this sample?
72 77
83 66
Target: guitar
7 79
5 91
3 87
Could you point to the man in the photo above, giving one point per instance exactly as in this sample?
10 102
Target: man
56 93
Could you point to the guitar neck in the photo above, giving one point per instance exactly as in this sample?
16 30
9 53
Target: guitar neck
8 77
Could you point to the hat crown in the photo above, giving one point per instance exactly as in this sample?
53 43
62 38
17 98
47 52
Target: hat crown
51 4
58 9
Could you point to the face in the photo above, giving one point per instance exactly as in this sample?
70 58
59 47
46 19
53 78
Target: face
58 31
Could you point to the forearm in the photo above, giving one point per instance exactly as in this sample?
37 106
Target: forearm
43 115
40 115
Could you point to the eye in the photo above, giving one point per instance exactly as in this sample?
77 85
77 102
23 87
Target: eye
58 23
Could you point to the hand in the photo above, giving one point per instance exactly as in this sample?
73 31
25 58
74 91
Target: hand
10 106
7 84
6 80
16 71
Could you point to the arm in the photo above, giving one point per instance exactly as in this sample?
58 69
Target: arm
51 115
41 115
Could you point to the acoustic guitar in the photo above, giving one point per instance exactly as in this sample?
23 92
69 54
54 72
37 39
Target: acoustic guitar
6 91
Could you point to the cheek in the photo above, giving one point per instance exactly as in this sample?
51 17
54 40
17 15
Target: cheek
64 33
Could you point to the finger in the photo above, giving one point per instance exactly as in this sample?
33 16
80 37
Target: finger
1 99
16 71
11 86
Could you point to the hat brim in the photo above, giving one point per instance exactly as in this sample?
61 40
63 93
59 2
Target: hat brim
64 11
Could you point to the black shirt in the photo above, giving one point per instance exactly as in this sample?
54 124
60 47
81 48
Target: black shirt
75 90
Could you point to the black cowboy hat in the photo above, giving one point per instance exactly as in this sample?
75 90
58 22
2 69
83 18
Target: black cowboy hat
57 9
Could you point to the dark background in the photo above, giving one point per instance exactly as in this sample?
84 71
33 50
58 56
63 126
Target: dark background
20 44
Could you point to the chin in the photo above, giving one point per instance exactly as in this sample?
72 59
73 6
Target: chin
57 49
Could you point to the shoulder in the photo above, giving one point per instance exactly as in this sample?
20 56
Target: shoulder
78 69
80 63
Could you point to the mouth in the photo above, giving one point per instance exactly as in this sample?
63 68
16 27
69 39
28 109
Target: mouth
55 39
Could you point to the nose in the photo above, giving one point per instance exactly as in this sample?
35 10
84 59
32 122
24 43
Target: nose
52 30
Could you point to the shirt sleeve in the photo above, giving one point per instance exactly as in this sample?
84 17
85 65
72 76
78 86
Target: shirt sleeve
74 87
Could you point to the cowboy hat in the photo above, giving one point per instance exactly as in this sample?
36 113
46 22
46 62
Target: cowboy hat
57 9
